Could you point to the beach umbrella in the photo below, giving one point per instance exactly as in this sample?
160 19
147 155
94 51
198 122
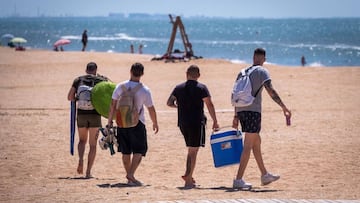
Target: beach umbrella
18 40
61 42
7 36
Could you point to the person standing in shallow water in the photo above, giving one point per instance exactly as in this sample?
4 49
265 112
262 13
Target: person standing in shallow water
84 40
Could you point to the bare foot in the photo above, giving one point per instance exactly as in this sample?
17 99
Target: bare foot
184 178
133 182
80 167
88 174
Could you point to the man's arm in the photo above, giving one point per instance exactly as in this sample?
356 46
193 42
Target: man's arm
153 118
275 96
111 112
211 109
171 101
71 94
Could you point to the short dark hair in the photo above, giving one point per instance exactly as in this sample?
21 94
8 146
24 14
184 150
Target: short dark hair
137 69
260 51
193 71
91 67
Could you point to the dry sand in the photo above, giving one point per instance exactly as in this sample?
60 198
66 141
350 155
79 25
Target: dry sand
318 156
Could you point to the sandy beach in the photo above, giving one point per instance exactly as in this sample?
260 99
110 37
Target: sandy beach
318 156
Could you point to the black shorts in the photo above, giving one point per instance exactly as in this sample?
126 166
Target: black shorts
250 121
194 135
132 140
88 121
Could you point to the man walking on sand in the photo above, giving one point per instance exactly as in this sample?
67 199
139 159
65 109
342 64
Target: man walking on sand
88 119
189 98
250 119
133 140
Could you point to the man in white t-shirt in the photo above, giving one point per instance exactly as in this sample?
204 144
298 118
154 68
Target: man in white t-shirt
133 140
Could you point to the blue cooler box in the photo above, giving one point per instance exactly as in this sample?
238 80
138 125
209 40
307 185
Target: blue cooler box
226 147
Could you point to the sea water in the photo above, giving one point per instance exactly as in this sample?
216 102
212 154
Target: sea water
323 42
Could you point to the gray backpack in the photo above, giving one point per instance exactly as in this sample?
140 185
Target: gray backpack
84 97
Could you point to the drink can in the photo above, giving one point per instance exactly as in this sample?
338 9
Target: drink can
288 122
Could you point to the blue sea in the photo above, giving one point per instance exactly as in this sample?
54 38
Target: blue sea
323 42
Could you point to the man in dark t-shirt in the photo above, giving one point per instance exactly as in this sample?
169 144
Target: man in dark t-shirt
189 98
88 119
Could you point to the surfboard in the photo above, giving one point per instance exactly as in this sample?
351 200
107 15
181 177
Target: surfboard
101 97
72 126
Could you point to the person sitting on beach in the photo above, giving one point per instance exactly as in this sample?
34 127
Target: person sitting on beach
189 98
88 120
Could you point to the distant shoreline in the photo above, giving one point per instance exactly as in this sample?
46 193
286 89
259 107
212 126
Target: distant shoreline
150 56
137 16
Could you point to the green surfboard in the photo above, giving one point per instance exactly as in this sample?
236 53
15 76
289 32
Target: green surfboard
101 99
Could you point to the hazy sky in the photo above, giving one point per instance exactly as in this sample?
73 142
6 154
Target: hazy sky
223 8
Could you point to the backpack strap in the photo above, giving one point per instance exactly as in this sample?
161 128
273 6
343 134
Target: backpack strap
252 69
123 87
248 71
137 87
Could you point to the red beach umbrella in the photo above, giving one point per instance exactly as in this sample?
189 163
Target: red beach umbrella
61 42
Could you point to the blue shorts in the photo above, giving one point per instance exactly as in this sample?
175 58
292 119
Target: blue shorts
132 140
250 121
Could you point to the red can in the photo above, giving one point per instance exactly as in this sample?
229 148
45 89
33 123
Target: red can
288 122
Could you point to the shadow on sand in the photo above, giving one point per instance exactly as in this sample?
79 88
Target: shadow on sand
230 189
118 185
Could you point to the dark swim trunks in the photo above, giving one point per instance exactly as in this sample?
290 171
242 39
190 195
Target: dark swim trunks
132 140
250 121
194 135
